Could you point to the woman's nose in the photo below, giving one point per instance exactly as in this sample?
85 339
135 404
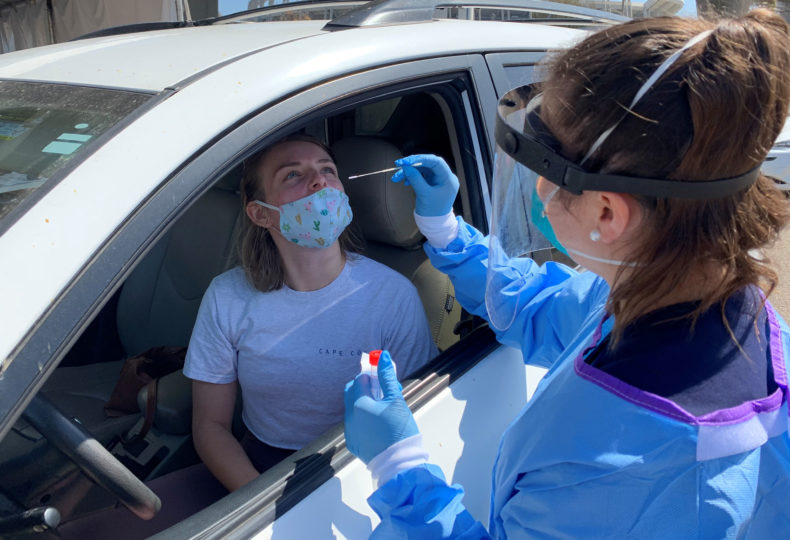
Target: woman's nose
317 180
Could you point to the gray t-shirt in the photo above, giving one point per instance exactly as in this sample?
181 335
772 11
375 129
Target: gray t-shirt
293 352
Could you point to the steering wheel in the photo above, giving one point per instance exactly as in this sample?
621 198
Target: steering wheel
96 462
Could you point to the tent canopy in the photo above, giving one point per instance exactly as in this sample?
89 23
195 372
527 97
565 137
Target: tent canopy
30 23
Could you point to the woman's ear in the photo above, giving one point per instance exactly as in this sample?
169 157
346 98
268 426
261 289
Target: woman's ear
258 214
618 214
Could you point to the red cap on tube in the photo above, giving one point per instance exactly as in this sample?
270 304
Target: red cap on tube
374 358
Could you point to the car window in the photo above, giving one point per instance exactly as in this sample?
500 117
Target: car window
369 137
519 75
44 127
777 163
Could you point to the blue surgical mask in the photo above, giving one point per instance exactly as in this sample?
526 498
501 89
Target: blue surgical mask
314 221
538 211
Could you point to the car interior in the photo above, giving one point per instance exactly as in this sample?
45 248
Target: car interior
158 303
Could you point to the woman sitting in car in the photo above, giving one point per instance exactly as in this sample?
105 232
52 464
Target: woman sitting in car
289 324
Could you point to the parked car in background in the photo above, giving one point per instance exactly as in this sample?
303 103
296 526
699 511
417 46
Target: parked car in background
120 160
777 164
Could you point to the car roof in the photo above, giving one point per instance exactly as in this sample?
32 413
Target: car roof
156 60
149 60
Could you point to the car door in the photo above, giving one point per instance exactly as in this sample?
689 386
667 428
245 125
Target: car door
462 401
453 398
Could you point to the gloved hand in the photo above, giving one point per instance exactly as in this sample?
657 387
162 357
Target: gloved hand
373 426
434 183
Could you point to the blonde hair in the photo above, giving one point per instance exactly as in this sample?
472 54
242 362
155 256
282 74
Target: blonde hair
714 114
257 253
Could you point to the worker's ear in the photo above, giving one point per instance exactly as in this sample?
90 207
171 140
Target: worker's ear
618 215
260 215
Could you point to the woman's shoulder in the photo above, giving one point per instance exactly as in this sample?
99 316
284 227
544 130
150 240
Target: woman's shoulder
362 266
231 282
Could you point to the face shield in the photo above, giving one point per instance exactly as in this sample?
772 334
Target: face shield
513 231
526 150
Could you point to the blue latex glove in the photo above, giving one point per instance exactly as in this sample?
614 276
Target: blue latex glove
373 426
434 183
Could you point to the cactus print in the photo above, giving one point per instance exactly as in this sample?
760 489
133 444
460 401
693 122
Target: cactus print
326 214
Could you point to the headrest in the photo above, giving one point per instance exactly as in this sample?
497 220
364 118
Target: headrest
383 210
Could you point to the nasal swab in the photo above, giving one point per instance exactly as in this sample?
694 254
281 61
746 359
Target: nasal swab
381 171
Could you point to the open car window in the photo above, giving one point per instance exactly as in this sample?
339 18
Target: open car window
431 118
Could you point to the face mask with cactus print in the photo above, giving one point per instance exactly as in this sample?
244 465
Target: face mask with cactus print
314 221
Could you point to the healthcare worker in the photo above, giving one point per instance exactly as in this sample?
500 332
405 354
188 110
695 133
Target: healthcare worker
663 413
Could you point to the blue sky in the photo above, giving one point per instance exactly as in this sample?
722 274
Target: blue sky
227 7
689 8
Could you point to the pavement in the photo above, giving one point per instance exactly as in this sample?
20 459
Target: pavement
780 256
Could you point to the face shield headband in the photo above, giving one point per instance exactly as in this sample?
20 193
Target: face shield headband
538 150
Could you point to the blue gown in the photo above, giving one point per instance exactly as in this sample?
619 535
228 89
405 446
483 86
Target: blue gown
590 456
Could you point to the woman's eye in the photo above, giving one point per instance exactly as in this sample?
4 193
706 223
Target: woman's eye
329 170
291 175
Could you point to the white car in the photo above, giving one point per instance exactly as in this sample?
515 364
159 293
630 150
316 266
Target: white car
777 163
120 159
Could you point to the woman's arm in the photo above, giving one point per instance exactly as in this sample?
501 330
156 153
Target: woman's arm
413 500
546 303
212 417
418 503
549 302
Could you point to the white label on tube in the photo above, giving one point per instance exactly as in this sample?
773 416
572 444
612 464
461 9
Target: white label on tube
372 371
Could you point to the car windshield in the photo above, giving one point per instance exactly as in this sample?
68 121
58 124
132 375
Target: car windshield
44 127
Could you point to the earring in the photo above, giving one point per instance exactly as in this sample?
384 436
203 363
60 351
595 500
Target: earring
595 235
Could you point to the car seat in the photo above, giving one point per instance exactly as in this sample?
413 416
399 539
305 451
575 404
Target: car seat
384 213
159 301
157 305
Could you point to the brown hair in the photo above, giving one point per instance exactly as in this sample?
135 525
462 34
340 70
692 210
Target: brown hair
257 252
714 114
